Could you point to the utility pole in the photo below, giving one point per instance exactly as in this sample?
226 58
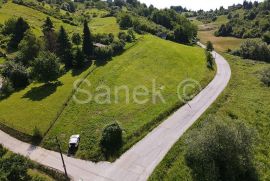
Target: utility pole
59 147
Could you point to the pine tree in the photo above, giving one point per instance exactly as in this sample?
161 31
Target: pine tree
48 25
20 28
79 59
64 47
87 40
50 36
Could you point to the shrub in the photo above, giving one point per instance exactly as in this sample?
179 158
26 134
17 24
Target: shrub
16 73
9 26
3 151
209 46
37 135
266 77
7 88
111 140
15 168
125 21
266 37
209 60
125 37
254 49
46 67
118 47
103 53
221 151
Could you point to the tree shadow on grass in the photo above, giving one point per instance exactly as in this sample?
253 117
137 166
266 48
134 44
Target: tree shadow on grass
39 93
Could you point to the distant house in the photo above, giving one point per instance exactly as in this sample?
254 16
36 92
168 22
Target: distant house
100 45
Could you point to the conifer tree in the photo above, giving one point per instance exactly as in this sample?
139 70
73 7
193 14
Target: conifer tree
87 40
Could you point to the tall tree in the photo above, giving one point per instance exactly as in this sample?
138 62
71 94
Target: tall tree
64 47
20 28
87 40
48 25
46 67
50 36
28 48
76 39
78 59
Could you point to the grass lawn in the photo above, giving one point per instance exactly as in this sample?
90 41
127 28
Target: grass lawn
37 105
246 99
150 59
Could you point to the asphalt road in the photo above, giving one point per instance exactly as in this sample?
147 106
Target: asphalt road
139 162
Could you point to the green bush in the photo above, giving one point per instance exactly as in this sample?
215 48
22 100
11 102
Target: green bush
221 150
254 49
46 67
118 47
103 53
37 135
210 60
16 73
15 168
266 77
209 46
266 37
7 88
125 21
3 151
111 140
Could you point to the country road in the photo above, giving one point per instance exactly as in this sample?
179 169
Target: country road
139 162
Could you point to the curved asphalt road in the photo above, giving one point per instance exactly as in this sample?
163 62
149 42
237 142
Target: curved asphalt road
139 162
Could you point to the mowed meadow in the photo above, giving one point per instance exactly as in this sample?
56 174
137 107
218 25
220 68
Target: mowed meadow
142 64
38 104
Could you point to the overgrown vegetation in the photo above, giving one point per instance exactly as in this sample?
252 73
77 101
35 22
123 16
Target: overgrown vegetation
221 150
16 167
254 49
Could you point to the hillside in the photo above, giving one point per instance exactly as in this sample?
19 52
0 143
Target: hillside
142 64
37 18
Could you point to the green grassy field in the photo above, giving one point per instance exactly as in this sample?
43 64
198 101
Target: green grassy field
36 19
105 25
140 65
246 99
33 17
37 105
